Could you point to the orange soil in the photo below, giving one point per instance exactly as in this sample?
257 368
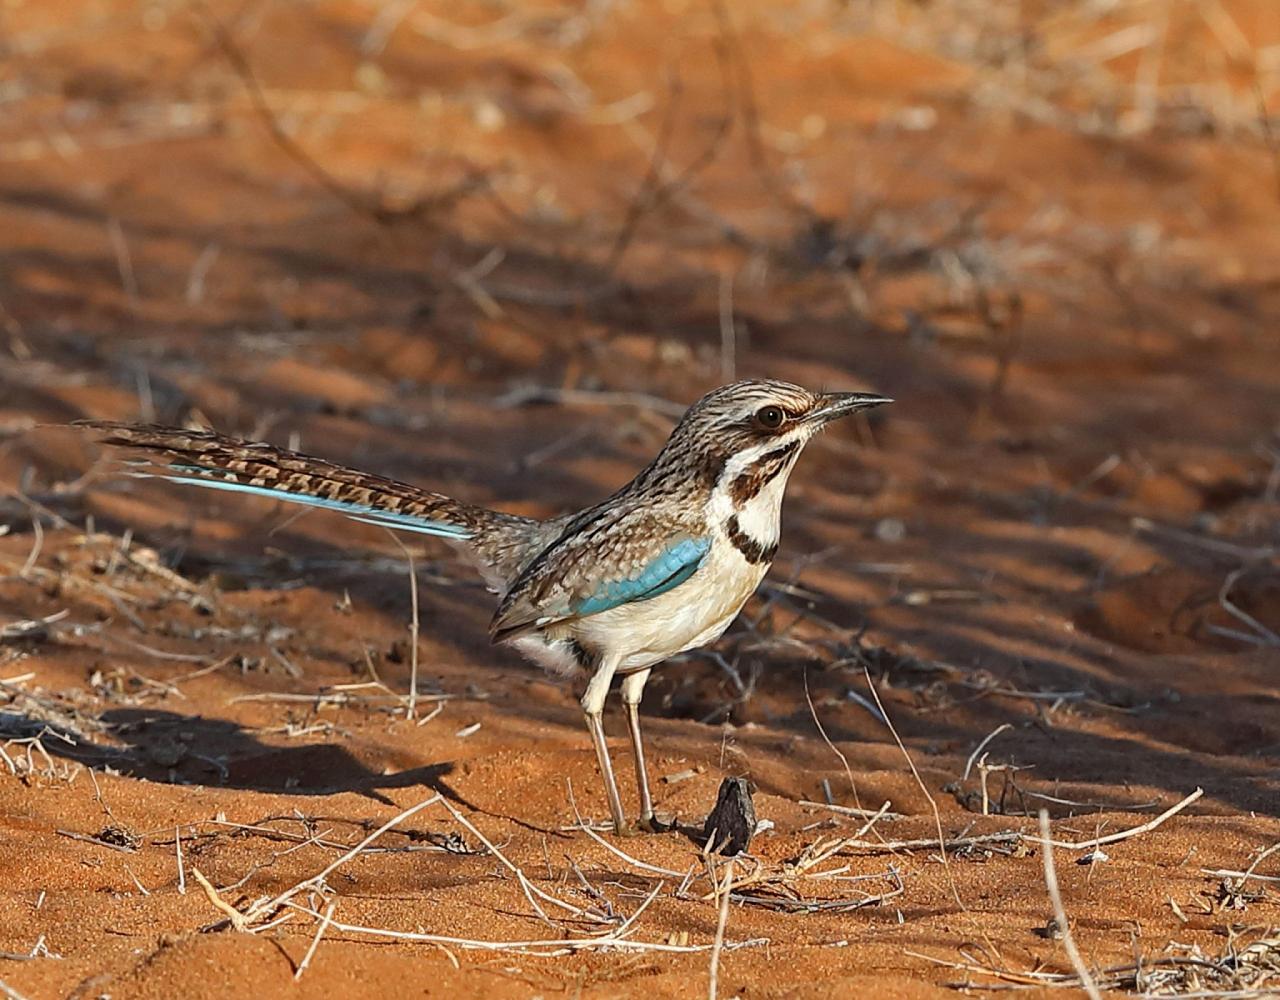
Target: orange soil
982 544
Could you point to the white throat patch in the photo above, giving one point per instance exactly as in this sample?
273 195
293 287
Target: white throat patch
759 516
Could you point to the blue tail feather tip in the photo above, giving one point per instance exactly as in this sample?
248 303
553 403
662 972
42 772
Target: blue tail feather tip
357 512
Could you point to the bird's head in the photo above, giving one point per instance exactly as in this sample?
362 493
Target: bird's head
749 433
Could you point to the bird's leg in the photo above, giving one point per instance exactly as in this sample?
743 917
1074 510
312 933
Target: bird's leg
593 708
632 690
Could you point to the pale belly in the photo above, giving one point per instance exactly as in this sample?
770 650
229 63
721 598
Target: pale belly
695 613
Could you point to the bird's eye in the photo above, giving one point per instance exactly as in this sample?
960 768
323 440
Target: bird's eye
770 417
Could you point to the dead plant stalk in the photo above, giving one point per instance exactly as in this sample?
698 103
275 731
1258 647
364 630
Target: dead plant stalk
1060 912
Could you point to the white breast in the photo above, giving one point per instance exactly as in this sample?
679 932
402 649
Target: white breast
691 615
643 633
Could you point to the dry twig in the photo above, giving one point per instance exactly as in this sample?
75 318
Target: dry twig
325 921
412 705
721 920
237 918
530 890
265 907
1060 912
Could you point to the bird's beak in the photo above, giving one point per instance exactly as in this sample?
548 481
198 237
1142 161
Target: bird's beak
834 405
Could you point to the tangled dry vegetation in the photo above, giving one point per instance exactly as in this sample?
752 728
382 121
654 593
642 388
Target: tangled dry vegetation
599 906
980 706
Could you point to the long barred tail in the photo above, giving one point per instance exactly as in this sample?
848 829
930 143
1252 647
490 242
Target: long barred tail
214 461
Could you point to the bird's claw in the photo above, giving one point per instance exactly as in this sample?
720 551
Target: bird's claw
651 824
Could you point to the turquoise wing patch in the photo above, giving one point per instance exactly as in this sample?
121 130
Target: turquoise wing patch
672 568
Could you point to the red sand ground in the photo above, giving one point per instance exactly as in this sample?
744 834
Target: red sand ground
1056 244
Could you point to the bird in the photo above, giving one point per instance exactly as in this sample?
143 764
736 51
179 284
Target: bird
659 568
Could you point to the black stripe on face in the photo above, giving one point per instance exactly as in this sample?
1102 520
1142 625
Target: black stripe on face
752 551
761 473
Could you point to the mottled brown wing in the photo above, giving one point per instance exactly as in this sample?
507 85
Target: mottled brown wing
605 558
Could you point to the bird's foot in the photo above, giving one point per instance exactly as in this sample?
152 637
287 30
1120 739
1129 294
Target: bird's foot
652 824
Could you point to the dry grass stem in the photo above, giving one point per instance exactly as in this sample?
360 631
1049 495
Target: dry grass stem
317 840
552 947
325 921
237 918
530 890
1236 873
937 816
86 839
124 260
9 992
643 866
728 331
819 851
177 850
266 907
722 919
827 740
411 707
334 697
1261 635
777 885
37 544
1248 874
1111 838
625 927
878 814
1017 836
982 746
141 888
1060 912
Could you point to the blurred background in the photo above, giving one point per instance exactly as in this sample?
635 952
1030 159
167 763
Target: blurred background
496 248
